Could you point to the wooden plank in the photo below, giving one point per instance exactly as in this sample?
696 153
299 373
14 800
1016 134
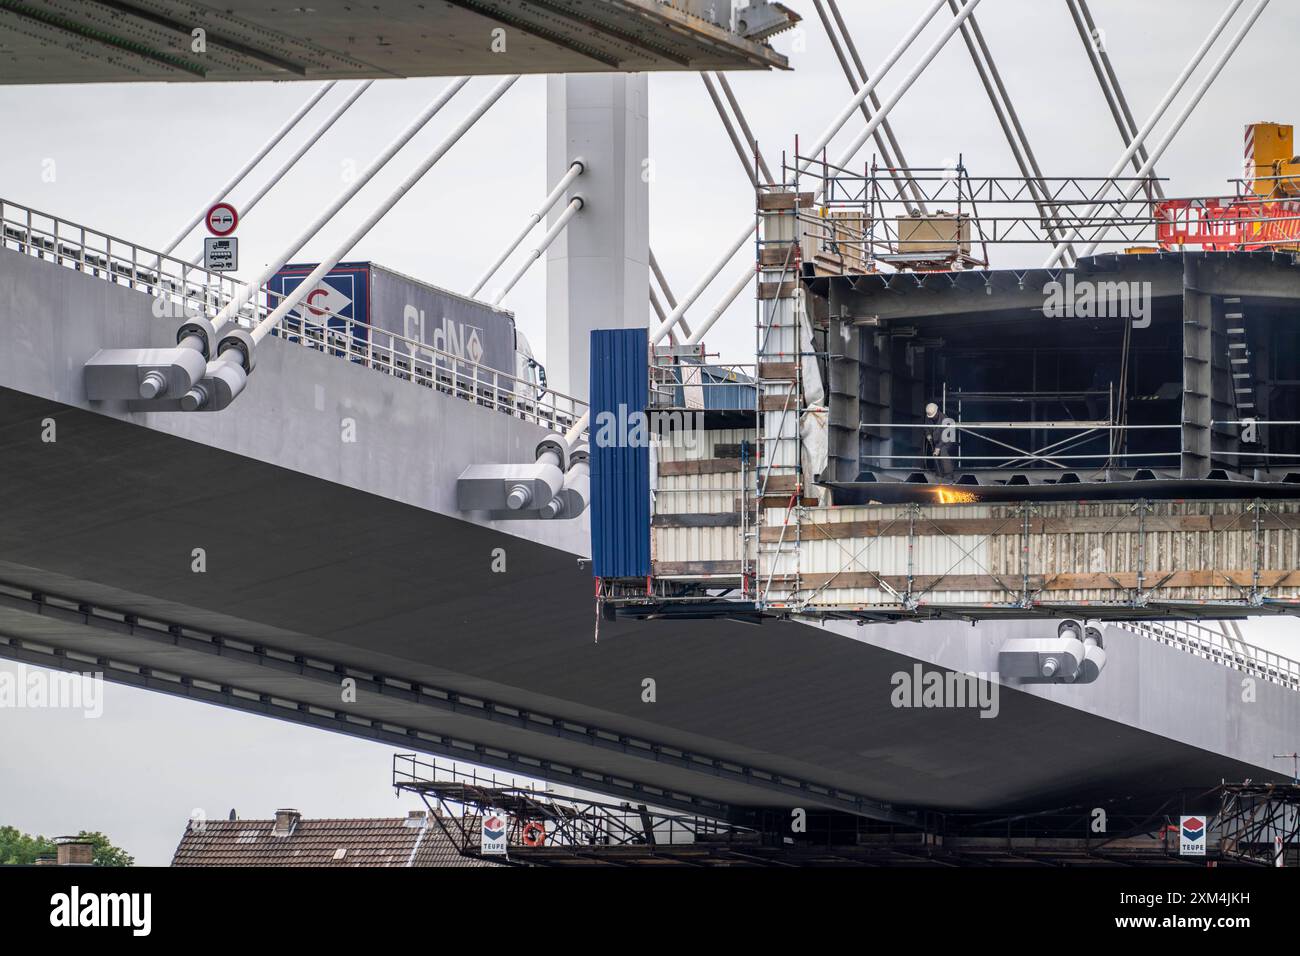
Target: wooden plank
1120 582
777 290
1176 579
780 502
783 371
778 403
705 519
779 484
777 201
778 254
682 569
1013 525
699 466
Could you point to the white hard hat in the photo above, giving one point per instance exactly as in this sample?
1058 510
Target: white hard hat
931 410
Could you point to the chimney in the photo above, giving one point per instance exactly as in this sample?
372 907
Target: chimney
74 852
415 818
286 821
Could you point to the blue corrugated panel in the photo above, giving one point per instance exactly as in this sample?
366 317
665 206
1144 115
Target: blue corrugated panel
725 391
620 454
346 293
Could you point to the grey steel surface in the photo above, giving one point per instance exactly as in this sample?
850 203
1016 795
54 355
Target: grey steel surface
352 554
954 296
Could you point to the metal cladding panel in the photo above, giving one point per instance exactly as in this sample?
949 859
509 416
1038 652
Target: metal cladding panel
620 462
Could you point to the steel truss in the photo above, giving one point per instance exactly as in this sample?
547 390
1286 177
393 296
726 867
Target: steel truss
1259 822
1253 822
458 801
1088 206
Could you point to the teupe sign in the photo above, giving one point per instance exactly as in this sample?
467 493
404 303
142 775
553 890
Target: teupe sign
1191 836
494 834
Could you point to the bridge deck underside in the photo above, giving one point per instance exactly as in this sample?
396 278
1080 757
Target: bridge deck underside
334 39
109 514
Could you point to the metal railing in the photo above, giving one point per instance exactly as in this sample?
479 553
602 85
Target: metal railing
181 290
689 384
1213 645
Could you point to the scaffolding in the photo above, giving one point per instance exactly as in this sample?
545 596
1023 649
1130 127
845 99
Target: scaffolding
1259 823
544 827
986 212
1247 824
1025 526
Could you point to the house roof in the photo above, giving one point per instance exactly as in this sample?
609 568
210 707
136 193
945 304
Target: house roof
392 842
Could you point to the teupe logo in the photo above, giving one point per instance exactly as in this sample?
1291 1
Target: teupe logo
494 828
1193 828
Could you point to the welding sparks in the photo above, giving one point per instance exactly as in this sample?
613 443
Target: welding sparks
949 496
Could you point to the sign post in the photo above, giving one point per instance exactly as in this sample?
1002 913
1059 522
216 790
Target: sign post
221 249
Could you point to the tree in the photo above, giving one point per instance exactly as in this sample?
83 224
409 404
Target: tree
17 847
21 848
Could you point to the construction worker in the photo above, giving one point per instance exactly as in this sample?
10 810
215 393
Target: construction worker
940 435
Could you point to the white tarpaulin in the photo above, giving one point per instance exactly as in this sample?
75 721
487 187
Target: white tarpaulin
814 431
813 391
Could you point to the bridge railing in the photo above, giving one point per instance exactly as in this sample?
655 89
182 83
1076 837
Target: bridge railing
182 290
1212 644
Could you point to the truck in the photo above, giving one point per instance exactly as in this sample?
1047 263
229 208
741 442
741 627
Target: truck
379 300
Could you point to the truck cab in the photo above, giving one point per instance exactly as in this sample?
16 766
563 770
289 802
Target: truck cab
530 373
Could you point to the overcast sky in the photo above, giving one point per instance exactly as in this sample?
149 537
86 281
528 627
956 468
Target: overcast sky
139 160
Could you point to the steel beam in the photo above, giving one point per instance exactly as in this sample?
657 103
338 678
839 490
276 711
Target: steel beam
1104 71
883 137
1000 100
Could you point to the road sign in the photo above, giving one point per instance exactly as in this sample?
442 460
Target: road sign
221 219
220 255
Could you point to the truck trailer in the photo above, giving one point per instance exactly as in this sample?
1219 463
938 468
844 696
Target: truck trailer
370 300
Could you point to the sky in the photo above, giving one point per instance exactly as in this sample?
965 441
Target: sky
139 160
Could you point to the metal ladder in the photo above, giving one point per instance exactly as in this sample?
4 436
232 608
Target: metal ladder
1243 389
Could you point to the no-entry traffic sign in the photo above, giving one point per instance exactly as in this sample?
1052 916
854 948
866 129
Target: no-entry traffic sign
222 219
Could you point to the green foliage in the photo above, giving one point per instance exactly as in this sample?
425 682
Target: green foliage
20 848
17 847
105 853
